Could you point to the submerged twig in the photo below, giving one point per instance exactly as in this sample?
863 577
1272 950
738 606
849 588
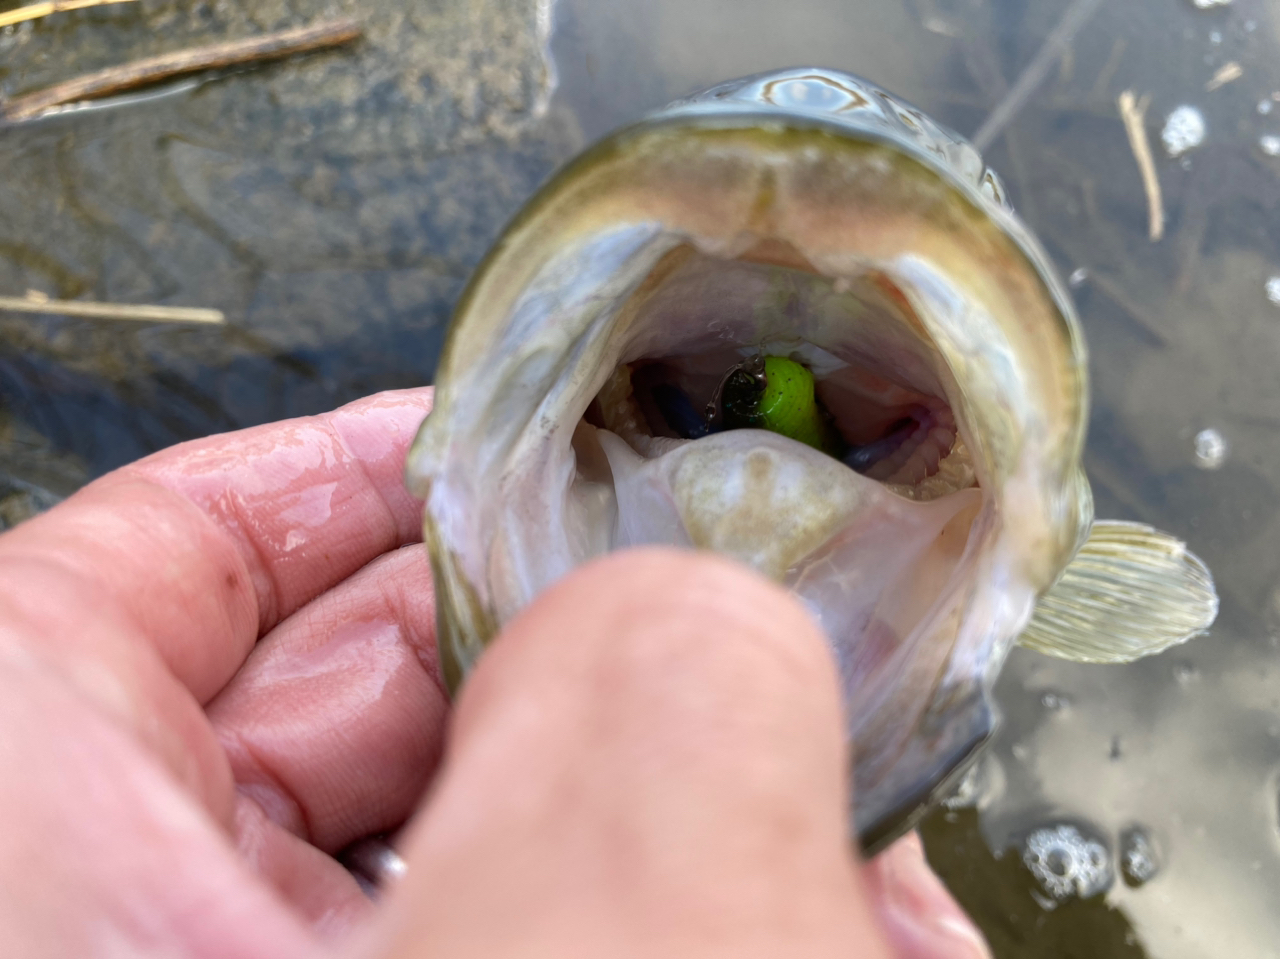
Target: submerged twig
35 302
35 11
1226 74
1133 112
1035 72
155 69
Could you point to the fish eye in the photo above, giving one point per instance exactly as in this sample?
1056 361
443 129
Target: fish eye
813 92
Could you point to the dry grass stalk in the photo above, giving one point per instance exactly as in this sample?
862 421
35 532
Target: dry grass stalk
1227 73
1054 46
36 302
156 69
35 11
1133 112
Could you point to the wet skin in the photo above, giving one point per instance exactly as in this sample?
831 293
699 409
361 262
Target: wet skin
217 669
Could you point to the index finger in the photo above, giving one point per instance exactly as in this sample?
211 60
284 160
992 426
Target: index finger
307 501
205 546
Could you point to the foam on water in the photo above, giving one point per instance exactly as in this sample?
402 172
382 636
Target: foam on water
1210 449
1184 130
1138 859
1066 863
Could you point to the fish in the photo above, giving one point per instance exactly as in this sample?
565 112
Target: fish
794 321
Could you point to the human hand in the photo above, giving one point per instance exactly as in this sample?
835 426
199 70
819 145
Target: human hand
217 669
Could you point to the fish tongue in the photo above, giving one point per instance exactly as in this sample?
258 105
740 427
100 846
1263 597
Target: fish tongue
798 516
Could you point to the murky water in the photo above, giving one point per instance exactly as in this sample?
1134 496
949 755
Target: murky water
332 207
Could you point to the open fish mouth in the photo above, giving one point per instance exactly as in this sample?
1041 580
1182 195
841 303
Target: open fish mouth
880 412
792 321
869 518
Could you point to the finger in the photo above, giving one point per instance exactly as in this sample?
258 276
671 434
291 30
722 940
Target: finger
205 545
649 761
141 558
157 579
316 887
307 502
335 724
102 854
919 916
67 616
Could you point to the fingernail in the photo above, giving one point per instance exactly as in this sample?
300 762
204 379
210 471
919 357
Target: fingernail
919 915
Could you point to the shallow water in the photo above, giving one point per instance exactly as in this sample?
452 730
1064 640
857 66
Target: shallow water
333 206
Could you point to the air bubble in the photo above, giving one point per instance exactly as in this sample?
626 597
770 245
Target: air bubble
1185 674
1183 130
1272 288
1210 449
1265 106
1209 4
1077 277
1139 862
1066 863
1054 701
1270 145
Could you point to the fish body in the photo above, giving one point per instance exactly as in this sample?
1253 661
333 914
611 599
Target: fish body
913 475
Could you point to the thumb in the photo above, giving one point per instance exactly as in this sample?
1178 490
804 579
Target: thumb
649 761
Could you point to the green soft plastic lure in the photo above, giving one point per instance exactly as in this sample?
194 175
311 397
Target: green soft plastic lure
779 398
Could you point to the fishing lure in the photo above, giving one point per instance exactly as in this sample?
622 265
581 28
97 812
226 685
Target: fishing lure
777 394
782 401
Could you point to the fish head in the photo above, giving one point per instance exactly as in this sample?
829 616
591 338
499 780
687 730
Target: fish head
808 217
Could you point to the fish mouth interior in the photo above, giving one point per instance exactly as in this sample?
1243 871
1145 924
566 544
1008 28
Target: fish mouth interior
878 380
877 548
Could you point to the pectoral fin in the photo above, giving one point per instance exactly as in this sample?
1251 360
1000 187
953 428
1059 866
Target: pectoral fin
1130 592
